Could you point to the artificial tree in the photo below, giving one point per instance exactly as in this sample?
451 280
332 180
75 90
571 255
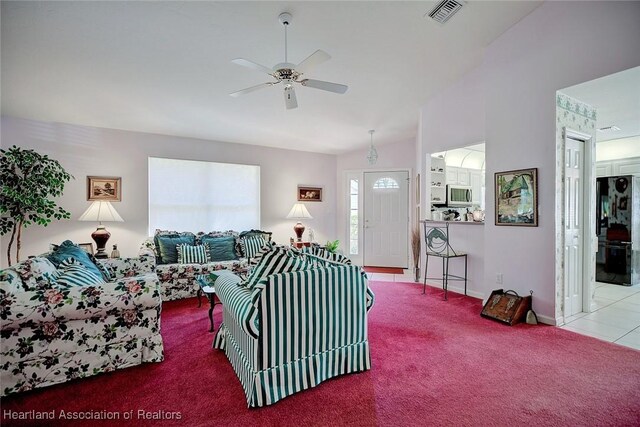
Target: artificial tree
29 181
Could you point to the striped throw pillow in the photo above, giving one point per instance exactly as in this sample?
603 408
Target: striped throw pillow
251 245
274 262
190 254
72 273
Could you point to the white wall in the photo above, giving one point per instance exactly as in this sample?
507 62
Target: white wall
560 44
94 151
452 119
400 155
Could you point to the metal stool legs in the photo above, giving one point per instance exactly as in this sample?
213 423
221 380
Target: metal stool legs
438 244
426 268
445 275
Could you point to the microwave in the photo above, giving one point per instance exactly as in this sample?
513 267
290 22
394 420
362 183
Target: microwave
459 195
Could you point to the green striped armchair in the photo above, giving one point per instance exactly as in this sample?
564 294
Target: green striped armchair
294 330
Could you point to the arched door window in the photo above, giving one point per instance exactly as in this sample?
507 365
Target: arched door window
385 183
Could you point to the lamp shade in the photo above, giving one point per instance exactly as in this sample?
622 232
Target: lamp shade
299 211
101 212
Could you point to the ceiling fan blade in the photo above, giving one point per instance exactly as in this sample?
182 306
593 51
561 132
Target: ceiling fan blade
251 89
328 86
252 65
290 98
316 58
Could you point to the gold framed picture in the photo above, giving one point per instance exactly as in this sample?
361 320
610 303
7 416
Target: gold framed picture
104 188
309 194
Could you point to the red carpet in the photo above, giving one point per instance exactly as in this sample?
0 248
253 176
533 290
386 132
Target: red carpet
434 363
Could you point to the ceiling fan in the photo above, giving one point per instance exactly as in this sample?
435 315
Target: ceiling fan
288 73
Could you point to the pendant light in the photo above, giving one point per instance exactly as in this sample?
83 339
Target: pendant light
372 156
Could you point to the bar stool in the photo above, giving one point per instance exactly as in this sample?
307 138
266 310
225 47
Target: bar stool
439 245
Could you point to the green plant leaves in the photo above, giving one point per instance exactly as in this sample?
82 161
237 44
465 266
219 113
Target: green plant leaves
29 180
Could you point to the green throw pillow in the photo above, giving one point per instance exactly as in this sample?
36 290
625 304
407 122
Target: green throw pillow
68 249
221 248
167 246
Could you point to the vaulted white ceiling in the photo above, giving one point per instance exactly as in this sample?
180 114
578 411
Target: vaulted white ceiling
164 67
617 101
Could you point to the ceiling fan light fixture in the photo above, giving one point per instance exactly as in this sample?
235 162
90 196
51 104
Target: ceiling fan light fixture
372 155
289 73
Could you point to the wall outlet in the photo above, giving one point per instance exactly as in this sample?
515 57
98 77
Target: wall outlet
499 279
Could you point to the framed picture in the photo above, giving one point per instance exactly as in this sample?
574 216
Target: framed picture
309 194
104 188
87 247
517 197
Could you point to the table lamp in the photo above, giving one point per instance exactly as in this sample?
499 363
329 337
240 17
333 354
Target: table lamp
101 212
299 211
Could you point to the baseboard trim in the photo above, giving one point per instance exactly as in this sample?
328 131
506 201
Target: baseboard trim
548 320
458 290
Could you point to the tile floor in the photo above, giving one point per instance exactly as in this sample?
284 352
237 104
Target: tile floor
617 318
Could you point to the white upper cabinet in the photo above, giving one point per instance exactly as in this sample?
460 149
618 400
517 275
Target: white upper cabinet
473 178
476 178
458 176
618 167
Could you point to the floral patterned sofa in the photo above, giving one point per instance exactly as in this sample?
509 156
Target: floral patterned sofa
52 334
178 280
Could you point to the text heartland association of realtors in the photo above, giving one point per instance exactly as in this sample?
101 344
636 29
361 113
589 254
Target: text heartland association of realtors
140 414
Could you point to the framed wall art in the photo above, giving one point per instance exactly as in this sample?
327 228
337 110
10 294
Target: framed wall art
87 247
516 197
104 188
309 194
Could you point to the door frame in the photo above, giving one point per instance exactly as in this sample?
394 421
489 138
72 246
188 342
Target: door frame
588 242
347 175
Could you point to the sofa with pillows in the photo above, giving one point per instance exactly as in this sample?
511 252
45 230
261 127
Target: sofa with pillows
182 256
298 319
65 315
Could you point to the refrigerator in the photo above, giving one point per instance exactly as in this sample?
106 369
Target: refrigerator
618 230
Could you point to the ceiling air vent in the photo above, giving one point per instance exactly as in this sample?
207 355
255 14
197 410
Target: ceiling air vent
445 10
609 129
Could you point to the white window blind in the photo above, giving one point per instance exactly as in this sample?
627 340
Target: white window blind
187 195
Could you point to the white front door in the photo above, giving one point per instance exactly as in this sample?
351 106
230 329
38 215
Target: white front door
574 226
386 219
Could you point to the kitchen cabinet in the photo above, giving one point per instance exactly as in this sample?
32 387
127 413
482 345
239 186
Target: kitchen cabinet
438 180
476 179
457 176
618 167
473 178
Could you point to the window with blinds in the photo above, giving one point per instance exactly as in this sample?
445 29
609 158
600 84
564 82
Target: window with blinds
188 195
